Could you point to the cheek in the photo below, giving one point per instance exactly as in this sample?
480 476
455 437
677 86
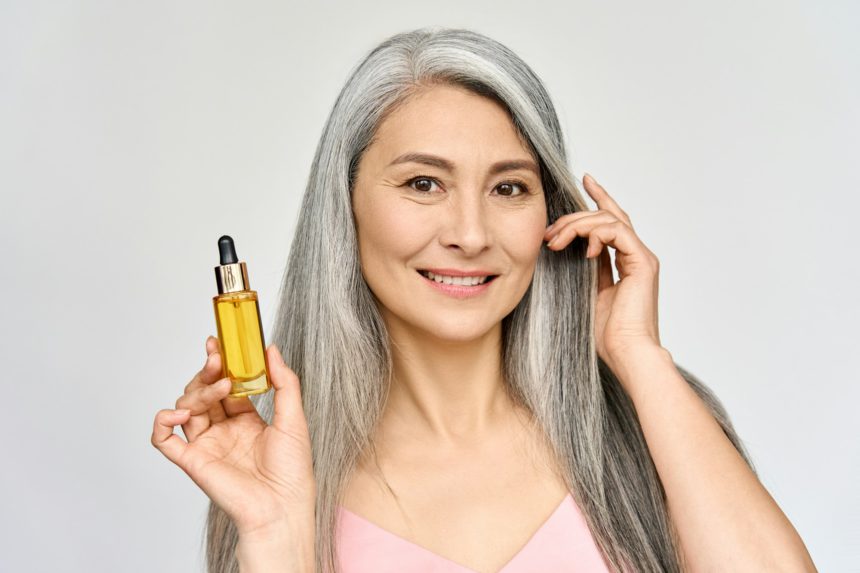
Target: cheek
523 236
389 234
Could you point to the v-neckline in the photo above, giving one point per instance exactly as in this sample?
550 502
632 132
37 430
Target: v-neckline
502 569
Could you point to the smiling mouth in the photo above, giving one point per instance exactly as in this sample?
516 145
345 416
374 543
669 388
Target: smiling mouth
456 281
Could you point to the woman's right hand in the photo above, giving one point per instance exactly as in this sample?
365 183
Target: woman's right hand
261 475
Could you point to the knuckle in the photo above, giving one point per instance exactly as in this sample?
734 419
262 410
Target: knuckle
293 378
191 399
213 392
195 382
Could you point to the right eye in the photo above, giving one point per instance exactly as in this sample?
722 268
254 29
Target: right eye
424 182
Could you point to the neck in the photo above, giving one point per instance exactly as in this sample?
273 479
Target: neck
448 391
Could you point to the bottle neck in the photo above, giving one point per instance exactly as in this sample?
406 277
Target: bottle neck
232 278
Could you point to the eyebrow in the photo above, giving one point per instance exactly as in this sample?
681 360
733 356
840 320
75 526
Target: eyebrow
442 163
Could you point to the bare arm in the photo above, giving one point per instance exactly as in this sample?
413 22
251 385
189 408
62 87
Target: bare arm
725 518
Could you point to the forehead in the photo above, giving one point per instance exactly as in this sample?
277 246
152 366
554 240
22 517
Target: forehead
451 121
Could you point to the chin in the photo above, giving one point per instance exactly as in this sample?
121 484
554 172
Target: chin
456 329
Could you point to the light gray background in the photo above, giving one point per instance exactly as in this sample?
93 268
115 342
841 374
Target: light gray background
134 134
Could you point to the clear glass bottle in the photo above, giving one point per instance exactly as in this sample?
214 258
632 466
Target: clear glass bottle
240 330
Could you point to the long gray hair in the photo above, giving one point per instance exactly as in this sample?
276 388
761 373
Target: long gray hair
332 335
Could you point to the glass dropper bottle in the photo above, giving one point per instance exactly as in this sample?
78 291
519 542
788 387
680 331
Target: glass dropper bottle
240 330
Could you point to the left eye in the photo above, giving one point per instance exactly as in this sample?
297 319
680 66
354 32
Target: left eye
505 188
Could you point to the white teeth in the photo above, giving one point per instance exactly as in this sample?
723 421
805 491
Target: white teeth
463 281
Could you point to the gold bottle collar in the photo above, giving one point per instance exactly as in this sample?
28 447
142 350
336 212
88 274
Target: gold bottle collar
232 278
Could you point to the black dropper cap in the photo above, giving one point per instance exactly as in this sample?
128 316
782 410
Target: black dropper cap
231 275
228 250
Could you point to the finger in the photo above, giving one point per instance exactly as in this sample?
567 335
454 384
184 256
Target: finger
288 415
558 223
200 401
212 345
604 271
235 405
209 374
627 245
603 199
579 227
163 438
566 219
216 410
229 405
212 371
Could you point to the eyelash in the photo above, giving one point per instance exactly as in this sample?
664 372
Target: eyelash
516 182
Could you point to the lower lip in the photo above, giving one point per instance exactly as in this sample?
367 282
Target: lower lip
458 291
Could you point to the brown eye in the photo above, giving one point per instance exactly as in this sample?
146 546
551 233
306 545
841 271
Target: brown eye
506 189
423 184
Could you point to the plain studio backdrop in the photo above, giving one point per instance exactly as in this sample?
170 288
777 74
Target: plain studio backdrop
134 134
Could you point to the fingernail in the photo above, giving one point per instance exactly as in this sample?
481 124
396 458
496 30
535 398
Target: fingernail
181 412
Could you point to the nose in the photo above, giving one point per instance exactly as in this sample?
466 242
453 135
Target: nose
466 225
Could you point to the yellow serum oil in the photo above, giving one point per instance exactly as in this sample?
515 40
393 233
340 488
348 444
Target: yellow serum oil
240 330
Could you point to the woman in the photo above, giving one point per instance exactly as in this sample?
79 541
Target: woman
455 417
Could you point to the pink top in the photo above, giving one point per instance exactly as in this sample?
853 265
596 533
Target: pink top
562 543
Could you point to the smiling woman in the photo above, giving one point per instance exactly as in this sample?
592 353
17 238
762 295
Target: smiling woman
473 207
476 399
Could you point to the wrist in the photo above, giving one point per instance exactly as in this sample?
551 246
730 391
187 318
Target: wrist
635 366
288 548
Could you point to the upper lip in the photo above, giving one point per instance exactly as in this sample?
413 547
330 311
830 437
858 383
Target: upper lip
459 273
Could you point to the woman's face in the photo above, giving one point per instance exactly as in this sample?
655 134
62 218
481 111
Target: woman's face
477 205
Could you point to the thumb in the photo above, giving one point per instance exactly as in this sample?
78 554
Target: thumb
288 414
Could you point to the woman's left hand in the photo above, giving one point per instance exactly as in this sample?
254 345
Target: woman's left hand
627 310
